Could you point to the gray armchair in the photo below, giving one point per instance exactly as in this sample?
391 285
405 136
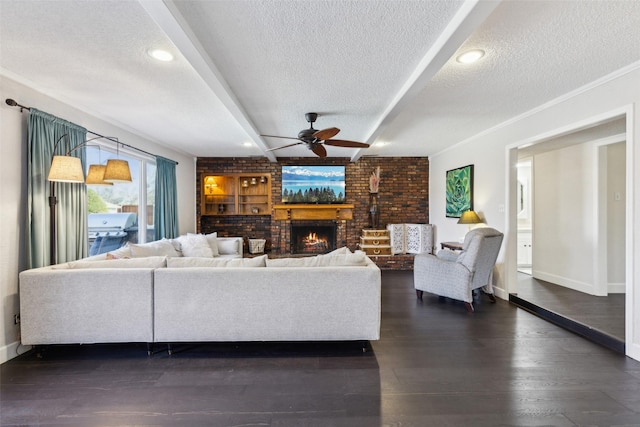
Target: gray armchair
456 274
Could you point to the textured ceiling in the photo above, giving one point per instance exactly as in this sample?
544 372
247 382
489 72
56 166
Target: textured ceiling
382 71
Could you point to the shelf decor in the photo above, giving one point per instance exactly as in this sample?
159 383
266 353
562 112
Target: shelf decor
374 208
459 191
236 194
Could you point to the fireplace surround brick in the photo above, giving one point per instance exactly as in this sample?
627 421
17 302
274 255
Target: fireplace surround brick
403 197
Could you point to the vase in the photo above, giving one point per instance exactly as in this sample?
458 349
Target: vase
374 211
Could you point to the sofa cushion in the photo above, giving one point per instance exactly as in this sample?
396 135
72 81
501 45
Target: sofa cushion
228 246
162 247
188 262
326 260
148 262
195 245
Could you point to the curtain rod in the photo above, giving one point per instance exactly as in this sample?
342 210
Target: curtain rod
13 103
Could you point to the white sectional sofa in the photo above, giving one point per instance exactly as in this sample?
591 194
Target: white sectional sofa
160 299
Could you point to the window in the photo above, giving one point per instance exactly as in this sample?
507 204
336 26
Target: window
121 213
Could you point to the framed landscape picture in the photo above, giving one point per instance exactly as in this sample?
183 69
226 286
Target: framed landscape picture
459 191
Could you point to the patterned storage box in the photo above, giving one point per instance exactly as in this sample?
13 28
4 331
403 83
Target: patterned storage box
398 241
419 238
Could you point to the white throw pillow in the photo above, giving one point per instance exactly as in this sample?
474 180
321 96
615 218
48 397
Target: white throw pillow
148 262
195 245
212 238
340 251
123 252
228 246
217 262
158 248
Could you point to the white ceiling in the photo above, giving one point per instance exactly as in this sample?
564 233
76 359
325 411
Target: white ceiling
380 70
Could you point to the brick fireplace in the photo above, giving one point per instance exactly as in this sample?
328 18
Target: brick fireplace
403 198
313 237
310 229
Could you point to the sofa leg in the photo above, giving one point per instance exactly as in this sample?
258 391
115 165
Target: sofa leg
149 349
364 346
419 294
469 307
169 349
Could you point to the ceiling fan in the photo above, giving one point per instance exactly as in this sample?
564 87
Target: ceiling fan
315 139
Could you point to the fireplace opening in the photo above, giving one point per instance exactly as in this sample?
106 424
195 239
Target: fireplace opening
313 238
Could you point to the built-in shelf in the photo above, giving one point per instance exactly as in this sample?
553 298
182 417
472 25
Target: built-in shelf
238 194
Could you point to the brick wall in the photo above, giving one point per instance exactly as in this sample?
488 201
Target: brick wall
403 195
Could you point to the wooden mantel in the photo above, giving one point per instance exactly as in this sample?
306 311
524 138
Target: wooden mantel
312 211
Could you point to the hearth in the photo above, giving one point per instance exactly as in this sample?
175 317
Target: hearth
313 237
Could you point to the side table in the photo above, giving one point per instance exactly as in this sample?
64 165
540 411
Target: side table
454 246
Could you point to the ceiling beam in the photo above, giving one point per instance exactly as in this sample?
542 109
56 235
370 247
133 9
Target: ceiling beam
171 21
469 17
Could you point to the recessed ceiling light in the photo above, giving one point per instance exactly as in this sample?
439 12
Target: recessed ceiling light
470 56
380 144
248 144
161 55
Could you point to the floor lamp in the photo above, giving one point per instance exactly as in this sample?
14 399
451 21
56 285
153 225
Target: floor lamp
63 169
69 169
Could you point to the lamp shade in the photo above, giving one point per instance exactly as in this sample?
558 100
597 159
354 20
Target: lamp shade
66 169
95 176
117 171
469 217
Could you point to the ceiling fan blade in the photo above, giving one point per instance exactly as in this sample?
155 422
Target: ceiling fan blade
326 133
275 136
285 146
345 143
319 150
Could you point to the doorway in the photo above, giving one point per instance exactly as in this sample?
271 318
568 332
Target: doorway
571 228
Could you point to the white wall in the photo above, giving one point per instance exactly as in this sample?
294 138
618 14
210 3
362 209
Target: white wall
13 152
616 205
495 168
564 218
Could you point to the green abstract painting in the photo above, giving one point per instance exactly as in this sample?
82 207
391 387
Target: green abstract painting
459 191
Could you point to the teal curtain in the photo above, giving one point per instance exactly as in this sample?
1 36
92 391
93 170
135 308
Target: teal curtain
165 212
71 209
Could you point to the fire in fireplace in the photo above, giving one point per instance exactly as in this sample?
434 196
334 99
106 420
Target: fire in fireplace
313 238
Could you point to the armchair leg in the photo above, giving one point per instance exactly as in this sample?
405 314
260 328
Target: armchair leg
491 296
469 307
419 294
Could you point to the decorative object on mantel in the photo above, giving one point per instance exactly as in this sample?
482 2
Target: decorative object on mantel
459 191
374 210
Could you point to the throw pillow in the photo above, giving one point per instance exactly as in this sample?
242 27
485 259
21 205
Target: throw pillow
195 245
228 246
212 238
158 248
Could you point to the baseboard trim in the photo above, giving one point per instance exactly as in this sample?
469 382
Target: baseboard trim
576 285
11 351
617 288
578 328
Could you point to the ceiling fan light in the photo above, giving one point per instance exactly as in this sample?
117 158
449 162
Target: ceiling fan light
117 171
470 56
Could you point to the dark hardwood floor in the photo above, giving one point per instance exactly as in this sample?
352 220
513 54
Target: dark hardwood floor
601 318
435 365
